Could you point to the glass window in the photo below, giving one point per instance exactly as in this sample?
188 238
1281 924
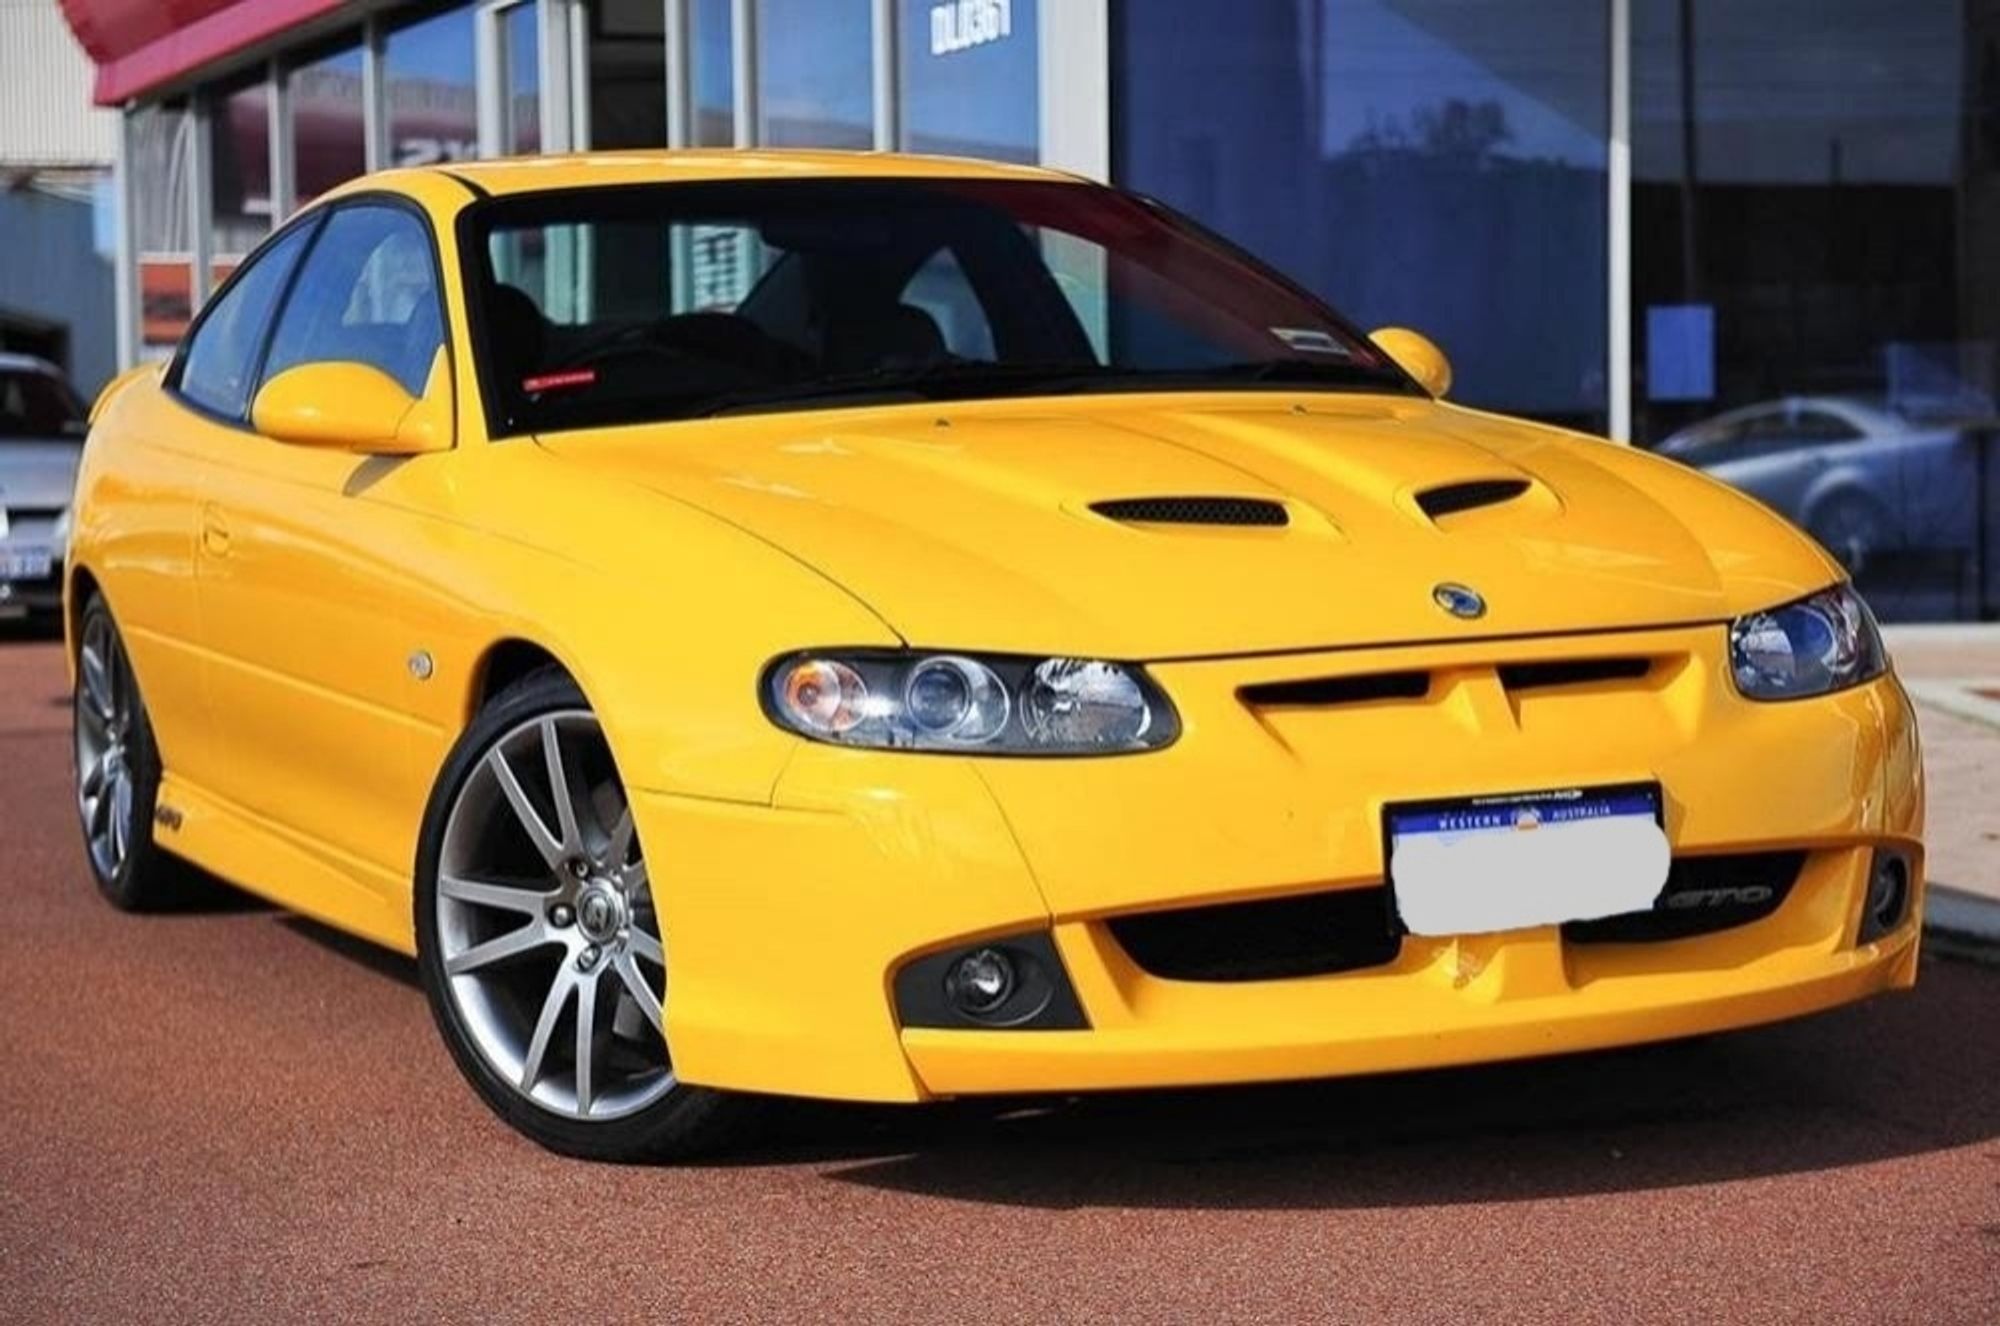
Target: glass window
628 74
240 175
433 110
37 404
671 302
219 370
712 75
969 79
815 73
1433 163
521 79
158 162
367 294
1813 212
329 141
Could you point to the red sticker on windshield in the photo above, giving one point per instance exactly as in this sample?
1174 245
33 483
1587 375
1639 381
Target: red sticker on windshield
573 377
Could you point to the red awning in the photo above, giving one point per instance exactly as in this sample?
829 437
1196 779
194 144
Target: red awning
140 44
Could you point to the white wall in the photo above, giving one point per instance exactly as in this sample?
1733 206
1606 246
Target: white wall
46 118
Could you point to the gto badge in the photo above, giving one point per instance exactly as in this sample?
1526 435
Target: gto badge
1459 600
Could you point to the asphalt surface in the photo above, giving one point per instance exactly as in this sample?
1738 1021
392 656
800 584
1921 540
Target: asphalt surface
228 1114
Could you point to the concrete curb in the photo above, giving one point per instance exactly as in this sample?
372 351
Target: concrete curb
1961 923
1960 696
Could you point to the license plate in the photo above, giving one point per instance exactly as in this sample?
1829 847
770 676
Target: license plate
1485 864
33 565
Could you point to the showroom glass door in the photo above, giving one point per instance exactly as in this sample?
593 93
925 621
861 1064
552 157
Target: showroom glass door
1816 274
1438 164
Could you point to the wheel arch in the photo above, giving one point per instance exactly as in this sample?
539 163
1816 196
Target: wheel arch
502 663
79 583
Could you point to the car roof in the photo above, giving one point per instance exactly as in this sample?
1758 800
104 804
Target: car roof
518 175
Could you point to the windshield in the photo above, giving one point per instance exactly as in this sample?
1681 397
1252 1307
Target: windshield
609 306
34 404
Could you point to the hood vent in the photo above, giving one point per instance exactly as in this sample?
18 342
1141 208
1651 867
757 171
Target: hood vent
1193 510
1451 498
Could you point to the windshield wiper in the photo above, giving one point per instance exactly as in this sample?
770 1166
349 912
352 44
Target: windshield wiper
946 377
922 381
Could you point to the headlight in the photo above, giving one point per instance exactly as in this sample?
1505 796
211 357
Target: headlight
990 704
1824 643
59 535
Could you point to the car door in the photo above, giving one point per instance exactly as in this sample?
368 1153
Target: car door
147 564
307 560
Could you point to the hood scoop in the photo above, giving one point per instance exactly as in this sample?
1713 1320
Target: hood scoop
1469 495
1193 511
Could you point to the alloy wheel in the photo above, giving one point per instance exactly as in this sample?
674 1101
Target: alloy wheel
106 711
547 935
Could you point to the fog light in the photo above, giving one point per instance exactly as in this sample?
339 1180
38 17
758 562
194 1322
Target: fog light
1888 898
980 982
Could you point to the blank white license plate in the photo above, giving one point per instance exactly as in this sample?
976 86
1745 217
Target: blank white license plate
26 566
1508 862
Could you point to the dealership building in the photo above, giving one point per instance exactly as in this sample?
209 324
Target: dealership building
1629 216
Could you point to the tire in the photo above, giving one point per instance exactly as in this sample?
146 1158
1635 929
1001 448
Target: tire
1852 527
117 771
536 933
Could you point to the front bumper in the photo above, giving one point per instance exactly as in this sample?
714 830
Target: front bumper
789 921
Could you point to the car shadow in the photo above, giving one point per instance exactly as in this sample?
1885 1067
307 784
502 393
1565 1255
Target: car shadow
203 894
1898 1075
373 957
36 629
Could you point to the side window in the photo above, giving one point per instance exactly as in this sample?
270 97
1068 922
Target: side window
1819 426
367 294
220 367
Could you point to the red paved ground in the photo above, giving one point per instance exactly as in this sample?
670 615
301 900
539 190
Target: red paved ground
230 1115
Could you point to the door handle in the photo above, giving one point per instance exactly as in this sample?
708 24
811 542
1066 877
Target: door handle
214 532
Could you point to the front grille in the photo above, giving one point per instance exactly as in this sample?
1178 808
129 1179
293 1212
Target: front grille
1571 672
1313 934
1193 510
1359 689
1704 894
1307 934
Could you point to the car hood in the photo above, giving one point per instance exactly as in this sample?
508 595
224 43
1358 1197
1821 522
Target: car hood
37 475
972 526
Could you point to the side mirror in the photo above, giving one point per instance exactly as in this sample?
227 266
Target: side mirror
1418 356
347 406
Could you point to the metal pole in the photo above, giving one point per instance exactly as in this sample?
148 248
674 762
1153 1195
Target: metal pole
278 122
888 77
680 75
1690 161
1618 227
743 58
376 152
125 292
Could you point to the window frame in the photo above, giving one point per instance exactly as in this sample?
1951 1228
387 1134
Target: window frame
314 216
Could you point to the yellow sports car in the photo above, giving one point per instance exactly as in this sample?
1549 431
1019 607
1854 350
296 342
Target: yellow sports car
882 628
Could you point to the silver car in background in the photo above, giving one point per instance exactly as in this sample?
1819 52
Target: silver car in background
42 423
1861 479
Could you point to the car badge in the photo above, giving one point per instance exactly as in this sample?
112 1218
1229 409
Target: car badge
1459 600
